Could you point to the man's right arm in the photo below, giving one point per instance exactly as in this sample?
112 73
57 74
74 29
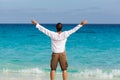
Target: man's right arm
68 33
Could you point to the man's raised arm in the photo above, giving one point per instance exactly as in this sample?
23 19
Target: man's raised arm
42 29
76 28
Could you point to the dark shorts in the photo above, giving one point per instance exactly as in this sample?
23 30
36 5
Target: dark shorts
61 58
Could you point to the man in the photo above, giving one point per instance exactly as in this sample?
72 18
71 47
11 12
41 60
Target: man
58 40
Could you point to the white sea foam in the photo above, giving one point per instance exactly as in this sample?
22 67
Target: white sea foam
87 73
31 71
98 73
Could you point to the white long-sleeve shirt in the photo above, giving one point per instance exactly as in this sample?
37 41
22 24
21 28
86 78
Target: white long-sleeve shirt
58 41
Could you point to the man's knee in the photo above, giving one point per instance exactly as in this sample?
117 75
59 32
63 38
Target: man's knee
52 70
64 71
64 68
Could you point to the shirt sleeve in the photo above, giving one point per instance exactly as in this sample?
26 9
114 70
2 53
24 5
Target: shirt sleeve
68 33
44 30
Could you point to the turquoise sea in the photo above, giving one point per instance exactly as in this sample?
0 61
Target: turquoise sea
93 52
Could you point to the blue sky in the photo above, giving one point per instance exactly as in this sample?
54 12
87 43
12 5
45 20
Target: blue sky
65 11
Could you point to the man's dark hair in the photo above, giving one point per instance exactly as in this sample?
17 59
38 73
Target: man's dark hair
59 27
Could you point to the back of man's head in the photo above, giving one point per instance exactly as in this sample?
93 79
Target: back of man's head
59 27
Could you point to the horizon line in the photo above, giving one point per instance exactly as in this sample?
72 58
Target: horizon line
62 23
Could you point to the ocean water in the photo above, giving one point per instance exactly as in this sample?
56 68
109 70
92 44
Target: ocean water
93 52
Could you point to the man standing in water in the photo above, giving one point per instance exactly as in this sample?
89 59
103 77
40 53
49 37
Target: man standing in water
58 41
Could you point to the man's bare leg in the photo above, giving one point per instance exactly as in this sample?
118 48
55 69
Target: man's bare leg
52 75
64 74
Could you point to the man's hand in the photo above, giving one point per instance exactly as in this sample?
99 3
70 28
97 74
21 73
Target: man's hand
83 22
34 22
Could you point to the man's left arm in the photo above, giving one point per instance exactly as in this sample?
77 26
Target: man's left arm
42 29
